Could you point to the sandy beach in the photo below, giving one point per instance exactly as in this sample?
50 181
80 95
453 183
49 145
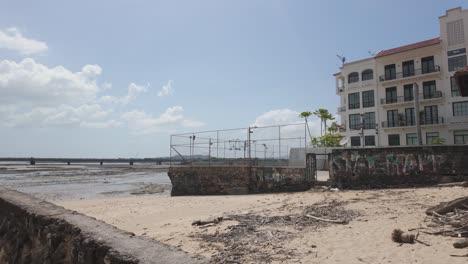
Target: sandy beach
266 228
366 239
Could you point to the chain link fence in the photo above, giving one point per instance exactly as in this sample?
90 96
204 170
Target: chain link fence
251 146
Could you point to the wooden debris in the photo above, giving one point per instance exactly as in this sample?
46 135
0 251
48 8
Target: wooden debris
461 243
202 223
446 207
327 220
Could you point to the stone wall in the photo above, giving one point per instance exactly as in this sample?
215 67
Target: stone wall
209 180
398 166
35 231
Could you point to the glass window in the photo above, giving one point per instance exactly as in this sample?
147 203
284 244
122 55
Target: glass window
460 137
369 140
390 72
431 115
392 118
408 68
411 139
394 140
369 120
431 136
408 92
368 99
429 90
427 64
355 121
367 75
456 63
454 87
391 95
353 101
410 118
353 77
460 108
355 141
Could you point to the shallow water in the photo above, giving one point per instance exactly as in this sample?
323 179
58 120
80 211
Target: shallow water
62 182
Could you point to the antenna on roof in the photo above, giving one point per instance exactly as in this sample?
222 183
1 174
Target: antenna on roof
371 53
342 59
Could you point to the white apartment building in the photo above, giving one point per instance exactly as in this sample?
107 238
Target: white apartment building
376 94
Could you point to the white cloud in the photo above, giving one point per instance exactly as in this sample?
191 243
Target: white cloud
32 94
166 89
12 39
35 83
140 122
132 91
287 116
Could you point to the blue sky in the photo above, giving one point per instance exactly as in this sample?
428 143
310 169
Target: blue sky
115 78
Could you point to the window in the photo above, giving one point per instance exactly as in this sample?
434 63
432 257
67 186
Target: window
369 120
411 139
460 108
408 92
410 117
353 77
390 72
427 64
408 68
429 90
431 136
456 63
369 140
355 121
394 140
460 137
431 115
368 99
391 95
353 101
367 75
355 141
392 118
454 87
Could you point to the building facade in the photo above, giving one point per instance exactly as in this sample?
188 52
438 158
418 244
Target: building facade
377 102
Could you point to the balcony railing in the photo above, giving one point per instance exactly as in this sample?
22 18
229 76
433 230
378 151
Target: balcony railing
408 123
341 109
400 75
404 99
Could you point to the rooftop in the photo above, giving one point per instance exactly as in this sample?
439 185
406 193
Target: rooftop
412 46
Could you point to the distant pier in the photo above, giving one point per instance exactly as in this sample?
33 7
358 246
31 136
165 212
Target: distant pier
69 161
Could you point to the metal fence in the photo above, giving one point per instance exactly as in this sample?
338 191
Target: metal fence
256 146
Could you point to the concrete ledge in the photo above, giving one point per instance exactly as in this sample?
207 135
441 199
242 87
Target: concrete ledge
35 231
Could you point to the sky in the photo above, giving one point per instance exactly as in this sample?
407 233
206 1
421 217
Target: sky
117 78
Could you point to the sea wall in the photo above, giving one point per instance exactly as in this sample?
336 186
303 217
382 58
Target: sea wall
221 180
398 166
35 231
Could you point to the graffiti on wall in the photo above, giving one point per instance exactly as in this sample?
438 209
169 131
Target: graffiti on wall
357 163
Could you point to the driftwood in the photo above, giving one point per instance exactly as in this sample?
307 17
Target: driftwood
461 244
202 223
446 207
336 221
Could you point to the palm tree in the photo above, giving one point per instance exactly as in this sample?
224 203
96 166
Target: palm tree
324 116
305 115
333 128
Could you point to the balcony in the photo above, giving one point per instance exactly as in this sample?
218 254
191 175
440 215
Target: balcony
408 75
411 123
405 100
341 109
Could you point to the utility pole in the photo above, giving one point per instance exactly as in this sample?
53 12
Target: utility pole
417 115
